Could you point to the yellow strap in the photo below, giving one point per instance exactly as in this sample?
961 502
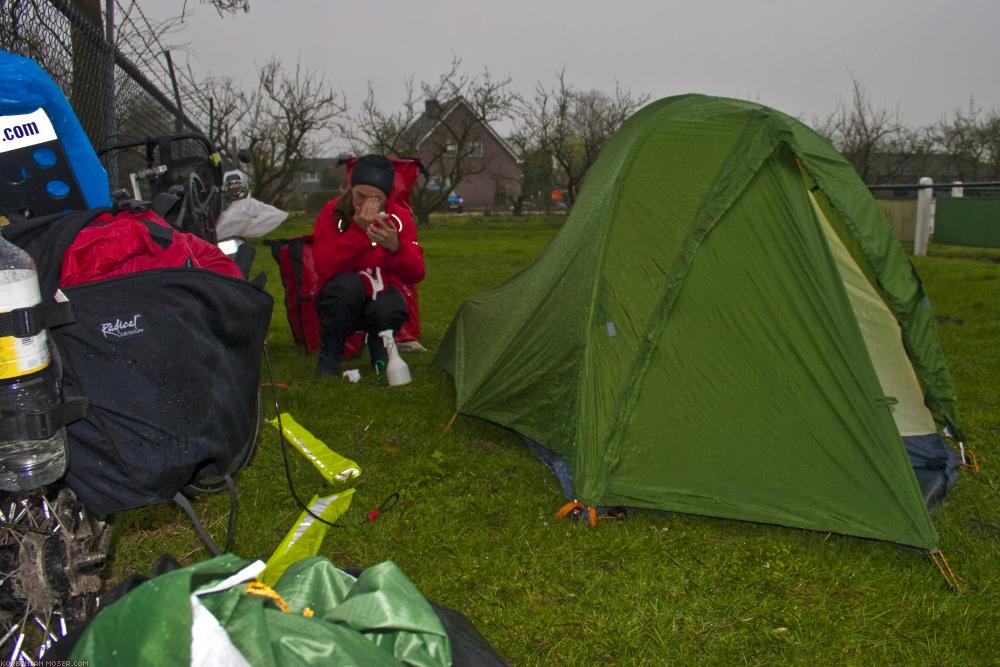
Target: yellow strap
264 591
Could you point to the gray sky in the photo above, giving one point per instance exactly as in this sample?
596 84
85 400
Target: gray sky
799 57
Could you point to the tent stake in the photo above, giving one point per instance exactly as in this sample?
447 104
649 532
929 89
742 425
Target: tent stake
449 424
942 565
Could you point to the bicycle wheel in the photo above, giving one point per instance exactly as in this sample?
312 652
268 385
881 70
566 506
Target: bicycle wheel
209 483
202 204
51 553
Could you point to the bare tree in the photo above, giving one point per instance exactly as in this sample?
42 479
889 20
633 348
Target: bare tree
874 139
442 125
228 6
282 121
990 136
288 113
535 187
222 7
970 139
572 126
229 108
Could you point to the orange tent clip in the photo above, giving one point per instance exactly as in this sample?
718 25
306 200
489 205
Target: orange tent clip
577 508
969 458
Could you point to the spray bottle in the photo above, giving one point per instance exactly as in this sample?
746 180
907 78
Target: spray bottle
396 370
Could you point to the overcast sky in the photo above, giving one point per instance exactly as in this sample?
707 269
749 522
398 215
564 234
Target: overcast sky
927 57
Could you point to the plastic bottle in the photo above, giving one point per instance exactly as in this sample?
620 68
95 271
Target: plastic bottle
396 370
27 384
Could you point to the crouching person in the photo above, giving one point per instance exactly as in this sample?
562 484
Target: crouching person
364 249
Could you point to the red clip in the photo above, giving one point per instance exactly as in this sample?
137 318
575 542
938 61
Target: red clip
373 515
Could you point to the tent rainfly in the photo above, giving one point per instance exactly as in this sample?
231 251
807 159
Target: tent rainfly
726 326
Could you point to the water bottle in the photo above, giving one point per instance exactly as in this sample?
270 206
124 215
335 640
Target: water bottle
27 383
396 370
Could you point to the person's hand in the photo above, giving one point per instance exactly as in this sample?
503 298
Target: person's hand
368 213
384 233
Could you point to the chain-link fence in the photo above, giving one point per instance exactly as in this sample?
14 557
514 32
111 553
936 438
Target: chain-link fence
115 99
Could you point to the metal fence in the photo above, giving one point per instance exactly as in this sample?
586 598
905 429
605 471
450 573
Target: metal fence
957 213
113 97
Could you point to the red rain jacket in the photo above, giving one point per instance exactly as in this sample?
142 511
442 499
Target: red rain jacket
336 252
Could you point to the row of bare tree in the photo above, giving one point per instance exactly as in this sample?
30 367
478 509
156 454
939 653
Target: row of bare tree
964 145
292 115
288 116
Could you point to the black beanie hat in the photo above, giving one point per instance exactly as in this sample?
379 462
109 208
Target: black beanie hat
374 170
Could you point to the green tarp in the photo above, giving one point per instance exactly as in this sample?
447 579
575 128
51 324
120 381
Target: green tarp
687 341
204 615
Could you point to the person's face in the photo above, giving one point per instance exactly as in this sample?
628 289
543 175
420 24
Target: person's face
361 194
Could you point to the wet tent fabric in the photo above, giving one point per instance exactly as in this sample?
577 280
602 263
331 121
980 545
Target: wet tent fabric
687 341
207 614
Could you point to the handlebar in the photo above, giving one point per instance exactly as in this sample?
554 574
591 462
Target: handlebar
161 140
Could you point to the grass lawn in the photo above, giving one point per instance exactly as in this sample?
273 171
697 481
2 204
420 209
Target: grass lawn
473 528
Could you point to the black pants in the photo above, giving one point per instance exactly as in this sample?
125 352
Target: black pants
343 308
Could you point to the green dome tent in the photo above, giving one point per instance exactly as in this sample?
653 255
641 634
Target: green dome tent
724 326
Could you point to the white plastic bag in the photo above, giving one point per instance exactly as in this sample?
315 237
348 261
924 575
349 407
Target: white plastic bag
249 218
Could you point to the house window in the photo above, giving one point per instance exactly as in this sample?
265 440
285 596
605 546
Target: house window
310 177
451 149
436 183
476 149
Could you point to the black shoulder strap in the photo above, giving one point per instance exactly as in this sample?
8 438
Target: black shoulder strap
165 205
46 239
295 250
39 425
25 322
161 236
199 527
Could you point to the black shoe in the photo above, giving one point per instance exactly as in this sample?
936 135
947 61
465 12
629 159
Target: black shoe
379 355
328 365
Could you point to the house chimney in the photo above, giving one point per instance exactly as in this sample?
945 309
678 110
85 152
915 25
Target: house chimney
432 108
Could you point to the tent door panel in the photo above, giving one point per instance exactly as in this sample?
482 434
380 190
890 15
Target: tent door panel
883 337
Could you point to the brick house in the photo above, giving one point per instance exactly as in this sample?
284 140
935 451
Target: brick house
492 171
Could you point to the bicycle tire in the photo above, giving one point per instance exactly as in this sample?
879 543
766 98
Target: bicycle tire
208 483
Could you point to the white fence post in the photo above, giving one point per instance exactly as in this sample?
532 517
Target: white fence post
924 196
957 191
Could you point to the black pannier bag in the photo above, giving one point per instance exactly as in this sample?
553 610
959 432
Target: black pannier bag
169 360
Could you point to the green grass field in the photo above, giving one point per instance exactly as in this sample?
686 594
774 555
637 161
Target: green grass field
473 528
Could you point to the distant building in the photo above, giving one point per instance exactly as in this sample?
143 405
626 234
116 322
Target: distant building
320 173
492 165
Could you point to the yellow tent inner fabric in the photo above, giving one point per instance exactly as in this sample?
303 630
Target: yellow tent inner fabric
883 338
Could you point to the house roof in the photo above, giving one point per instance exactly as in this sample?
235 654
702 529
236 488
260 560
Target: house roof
421 129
